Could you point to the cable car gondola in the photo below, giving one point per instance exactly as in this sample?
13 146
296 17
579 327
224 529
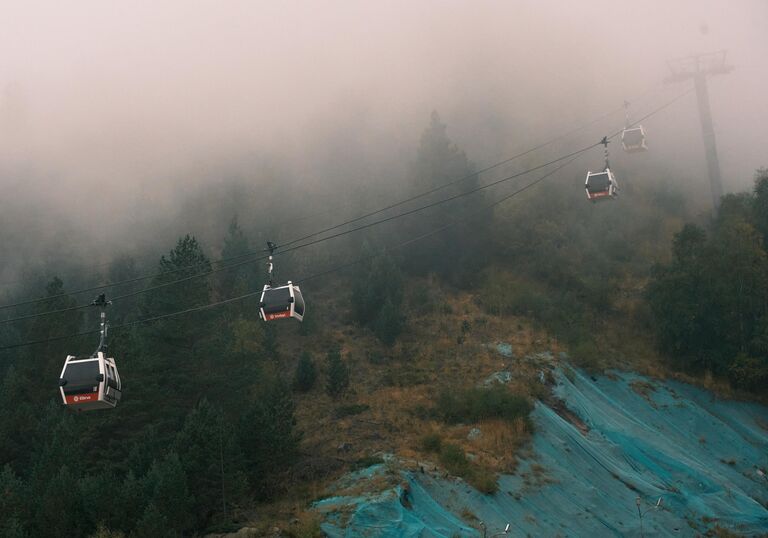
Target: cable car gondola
633 139
89 383
602 185
281 302
633 136
278 302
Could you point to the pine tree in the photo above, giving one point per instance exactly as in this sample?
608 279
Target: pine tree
186 259
152 523
337 374
56 514
239 279
306 373
211 457
17 418
439 162
377 297
166 488
760 206
130 502
123 268
389 323
97 507
54 326
12 505
269 437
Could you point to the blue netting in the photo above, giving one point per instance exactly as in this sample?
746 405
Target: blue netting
669 440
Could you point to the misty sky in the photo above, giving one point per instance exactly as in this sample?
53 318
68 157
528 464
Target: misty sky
111 101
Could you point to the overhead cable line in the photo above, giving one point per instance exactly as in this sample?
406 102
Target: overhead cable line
445 227
322 239
469 176
451 183
356 219
314 242
316 275
653 112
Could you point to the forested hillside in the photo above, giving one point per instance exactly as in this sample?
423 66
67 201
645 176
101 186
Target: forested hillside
227 420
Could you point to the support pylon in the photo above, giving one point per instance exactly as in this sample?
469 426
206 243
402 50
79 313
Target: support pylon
698 67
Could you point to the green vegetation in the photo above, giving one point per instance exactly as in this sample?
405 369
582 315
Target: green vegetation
475 404
207 428
337 374
432 442
350 410
378 297
306 373
193 441
710 312
457 463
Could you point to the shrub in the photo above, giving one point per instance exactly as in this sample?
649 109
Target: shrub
431 442
586 354
484 480
377 357
367 461
749 373
350 410
476 404
454 459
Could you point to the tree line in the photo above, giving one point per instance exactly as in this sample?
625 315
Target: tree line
710 303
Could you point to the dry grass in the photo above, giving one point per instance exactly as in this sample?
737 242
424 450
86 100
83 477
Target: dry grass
400 386
399 391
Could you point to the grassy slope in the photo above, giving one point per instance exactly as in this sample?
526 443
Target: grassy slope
398 387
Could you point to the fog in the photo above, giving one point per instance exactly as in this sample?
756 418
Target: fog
112 113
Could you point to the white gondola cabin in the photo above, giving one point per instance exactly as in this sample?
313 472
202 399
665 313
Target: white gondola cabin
281 302
89 383
601 185
633 139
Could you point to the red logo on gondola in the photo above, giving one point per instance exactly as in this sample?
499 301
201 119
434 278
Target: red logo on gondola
599 194
279 315
82 398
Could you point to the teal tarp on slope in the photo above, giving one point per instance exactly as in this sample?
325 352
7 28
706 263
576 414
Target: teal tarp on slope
700 454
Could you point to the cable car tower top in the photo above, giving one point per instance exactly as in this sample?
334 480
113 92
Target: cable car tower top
698 67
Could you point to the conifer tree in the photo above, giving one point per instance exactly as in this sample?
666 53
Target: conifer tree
172 345
269 437
337 374
439 162
151 524
377 296
306 373
389 323
237 280
186 259
12 505
166 488
208 450
760 207
56 514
